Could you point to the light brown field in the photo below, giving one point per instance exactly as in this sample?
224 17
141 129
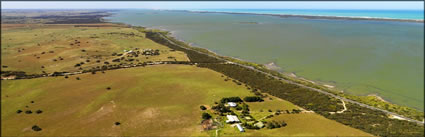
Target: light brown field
150 101
22 46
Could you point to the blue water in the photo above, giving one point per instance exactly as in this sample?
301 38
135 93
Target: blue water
392 14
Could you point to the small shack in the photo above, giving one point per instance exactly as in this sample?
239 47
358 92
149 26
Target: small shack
232 119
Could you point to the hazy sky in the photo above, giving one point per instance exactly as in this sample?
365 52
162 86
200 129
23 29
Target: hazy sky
418 5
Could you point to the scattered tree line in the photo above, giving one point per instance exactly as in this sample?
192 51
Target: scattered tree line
194 56
253 99
231 99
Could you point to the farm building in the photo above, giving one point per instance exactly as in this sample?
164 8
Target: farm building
259 124
240 128
232 119
232 104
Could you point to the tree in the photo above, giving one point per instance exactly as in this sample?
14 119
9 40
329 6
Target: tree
283 123
36 128
238 108
39 111
270 125
28 112
206 115
203 107
231 99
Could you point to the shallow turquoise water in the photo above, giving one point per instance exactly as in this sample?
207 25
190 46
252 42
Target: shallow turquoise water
360 57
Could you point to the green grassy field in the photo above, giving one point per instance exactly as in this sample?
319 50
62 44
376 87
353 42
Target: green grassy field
154 100
23 47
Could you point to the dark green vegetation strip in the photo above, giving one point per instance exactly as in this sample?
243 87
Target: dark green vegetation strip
368 120
193 55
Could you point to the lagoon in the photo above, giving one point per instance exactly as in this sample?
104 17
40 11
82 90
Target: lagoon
361 57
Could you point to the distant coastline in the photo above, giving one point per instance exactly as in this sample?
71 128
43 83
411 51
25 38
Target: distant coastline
313 16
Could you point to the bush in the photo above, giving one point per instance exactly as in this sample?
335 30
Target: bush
231 99
221 108
39 111
117 123
283 124
273 124
203 107
206 116
19 111
36 128
28 112
296 111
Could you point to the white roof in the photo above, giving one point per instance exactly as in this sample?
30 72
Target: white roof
232 118
240 127
232 104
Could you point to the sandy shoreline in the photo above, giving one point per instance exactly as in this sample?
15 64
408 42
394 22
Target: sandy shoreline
378 97
316 16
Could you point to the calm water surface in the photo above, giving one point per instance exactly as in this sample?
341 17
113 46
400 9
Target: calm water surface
359 57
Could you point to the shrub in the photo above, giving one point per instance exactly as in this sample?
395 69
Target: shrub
203 107
28 112
36 128
19 111
283 123
206 116
39 111
231 99
117 123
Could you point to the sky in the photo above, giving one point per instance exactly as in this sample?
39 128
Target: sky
384 5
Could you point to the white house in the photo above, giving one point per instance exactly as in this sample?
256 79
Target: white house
240 128
232 119
232 104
